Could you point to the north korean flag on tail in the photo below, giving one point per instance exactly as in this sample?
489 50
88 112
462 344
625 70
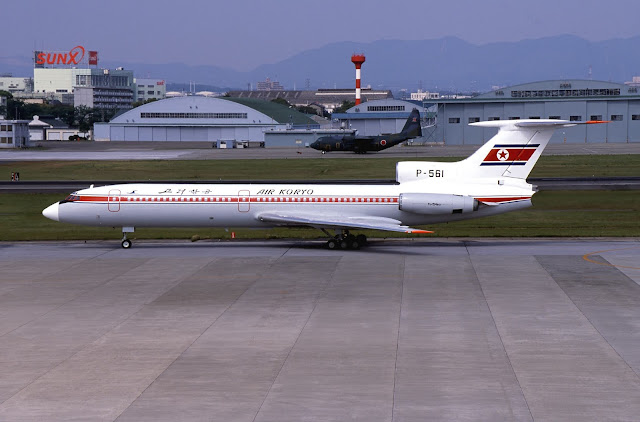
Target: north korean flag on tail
507 155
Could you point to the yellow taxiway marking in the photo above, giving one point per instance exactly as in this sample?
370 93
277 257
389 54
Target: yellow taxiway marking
586 258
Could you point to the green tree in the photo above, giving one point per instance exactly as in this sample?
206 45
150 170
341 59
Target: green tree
281 101
346 105
306 110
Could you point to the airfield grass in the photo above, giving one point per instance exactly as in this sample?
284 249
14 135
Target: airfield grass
299 169
554 214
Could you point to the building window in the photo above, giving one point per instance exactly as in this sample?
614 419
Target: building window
514 117
555 118
575 118
534 117
386 108
193 115
454 120
3 128
595 117
5 140
616 117
491 119
474 119
150 92
635 117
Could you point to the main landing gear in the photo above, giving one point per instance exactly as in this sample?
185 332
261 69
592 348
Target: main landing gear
126 243
345 240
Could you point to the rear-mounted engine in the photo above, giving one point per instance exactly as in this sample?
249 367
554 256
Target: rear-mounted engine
437 203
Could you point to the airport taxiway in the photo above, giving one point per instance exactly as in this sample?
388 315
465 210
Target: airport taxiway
445 329
62 151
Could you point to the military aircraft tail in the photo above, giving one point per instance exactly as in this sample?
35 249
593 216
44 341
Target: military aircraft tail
412 128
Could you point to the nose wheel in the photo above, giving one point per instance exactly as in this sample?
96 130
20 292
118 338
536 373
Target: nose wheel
126 243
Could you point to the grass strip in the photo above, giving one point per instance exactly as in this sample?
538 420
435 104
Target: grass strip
554 214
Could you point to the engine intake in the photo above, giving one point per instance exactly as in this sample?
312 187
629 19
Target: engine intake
437 203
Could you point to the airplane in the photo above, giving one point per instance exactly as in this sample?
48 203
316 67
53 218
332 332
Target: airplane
491 181
362 144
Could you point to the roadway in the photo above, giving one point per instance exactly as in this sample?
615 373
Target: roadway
451 329
60 151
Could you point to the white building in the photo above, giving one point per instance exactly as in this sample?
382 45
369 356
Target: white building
146 89
103 88
424 95
14 133
16 84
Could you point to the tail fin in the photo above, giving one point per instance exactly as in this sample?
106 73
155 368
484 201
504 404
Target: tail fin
514 150
412 128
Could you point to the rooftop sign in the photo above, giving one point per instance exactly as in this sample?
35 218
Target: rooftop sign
73 57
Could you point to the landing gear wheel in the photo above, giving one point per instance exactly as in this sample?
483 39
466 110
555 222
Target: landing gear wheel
126 244
332 244
361 239
344 243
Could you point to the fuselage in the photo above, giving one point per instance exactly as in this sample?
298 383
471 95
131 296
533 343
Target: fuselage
240 205
355 144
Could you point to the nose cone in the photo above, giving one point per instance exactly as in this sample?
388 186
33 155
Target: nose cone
51 212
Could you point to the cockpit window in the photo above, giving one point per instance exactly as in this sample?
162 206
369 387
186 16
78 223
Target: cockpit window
71 198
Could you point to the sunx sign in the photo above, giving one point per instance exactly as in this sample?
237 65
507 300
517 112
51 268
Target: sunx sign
70 58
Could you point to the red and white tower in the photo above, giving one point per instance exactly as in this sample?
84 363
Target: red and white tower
357 59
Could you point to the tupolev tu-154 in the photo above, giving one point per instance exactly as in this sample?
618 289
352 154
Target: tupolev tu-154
491 181
362 144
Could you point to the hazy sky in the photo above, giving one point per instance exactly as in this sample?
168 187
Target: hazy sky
243 34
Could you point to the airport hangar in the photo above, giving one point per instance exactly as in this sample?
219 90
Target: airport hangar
384 116
219 120
446 121
574 100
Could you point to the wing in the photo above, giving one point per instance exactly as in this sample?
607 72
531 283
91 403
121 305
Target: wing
337 221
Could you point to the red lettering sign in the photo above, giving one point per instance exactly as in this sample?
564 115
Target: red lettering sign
74 56
160 83
93 58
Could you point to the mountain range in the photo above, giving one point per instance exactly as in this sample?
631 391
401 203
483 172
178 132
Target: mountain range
446 64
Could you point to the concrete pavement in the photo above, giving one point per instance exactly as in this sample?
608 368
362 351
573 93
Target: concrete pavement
452 329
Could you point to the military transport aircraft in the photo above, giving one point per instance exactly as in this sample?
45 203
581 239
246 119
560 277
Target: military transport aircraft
362 144
491 181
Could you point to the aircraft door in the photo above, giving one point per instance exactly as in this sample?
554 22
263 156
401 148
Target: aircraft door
244 201
113 200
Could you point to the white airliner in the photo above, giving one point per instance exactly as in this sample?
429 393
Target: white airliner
491 181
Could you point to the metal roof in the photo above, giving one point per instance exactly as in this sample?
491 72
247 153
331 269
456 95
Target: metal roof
256 112
278 112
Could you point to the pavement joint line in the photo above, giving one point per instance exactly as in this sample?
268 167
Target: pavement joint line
513 371
587 318
607 263
319 297
89 344
395 364
190 344
70 300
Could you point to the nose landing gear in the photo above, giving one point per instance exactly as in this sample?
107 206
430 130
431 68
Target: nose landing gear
126 243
